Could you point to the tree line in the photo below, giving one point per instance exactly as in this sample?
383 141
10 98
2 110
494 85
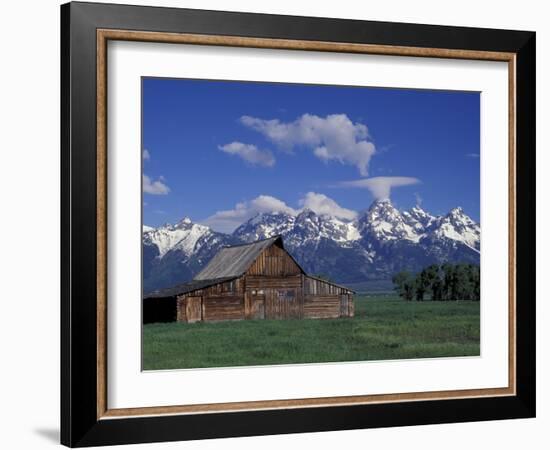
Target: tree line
439 282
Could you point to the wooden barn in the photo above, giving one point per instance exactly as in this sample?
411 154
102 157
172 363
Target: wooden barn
259 280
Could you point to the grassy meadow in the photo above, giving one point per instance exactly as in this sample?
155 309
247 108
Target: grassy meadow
384 327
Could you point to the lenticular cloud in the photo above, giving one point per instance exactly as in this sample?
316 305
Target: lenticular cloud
380 187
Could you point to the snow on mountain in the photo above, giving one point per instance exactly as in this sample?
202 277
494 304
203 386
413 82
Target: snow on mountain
265 225
458 226
183 236
384 222
174 254
305 228
310 227
382 241
418 219
147 228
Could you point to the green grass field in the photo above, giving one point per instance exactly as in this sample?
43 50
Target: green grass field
383 328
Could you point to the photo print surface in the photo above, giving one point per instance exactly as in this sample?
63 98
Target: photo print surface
293 223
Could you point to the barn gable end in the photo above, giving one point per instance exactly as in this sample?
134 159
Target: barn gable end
274 261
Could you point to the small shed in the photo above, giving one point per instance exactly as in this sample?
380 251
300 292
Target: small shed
259 280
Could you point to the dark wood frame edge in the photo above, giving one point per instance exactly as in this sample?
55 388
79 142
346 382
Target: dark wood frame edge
80 407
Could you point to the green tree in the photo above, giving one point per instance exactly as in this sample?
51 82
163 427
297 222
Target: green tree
432 281
445 282
476 280
422 285
404 285
448 278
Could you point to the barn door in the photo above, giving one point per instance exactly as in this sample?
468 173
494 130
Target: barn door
194 309
257 306
282 304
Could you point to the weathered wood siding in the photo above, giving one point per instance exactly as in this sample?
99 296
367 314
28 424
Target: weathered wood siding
181 313
315 286
223 308
274 262
347 306
222 301
193 309
323 300
321 307
283 303
272 297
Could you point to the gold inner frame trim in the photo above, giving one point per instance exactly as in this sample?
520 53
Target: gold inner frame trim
104 35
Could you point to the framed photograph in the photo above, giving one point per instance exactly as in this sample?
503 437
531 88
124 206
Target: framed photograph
276 224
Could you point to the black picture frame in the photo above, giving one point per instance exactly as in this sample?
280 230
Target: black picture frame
80 425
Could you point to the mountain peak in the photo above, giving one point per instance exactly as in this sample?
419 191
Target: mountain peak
380 202
459 219
418 218
184 222
382 207
380 242
264 225
306 212
418 210
384 222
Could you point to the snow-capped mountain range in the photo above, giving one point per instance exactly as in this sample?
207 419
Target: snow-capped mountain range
380 242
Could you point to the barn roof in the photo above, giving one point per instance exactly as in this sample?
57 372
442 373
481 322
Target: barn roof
235 260
229 263
186 287
331 283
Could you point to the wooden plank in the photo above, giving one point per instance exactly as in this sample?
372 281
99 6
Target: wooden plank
224 308
182 304
261 282
274 262
193 309
321 307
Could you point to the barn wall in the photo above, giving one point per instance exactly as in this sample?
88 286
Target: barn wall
222 301
323 300
181 309
259 282
347 305
223 308
274 262
315 286
321 307
273 288
273 297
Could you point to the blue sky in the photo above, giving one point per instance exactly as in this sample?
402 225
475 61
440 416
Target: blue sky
221 151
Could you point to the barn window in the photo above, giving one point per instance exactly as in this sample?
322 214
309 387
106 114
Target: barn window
229 286
286 294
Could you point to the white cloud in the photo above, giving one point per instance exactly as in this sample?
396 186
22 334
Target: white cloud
228 220
321 204
157 187
380 187
334 137
250 153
